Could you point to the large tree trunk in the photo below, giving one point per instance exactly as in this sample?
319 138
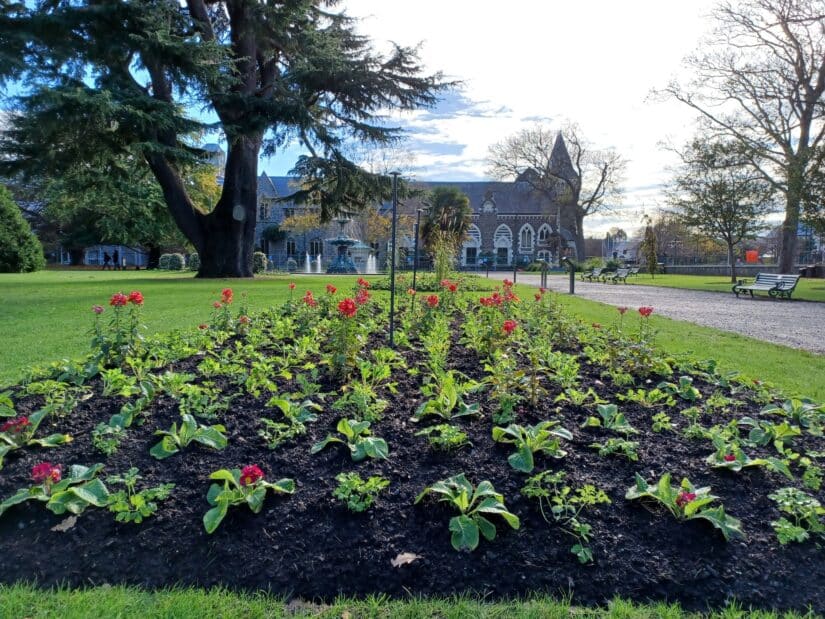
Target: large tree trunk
229 230
787 245
732 263
153 259
580 237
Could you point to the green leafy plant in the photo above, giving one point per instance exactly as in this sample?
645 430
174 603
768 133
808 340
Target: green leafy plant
445 390
542 437
176 439
812 473
613 446
684 389
578 397
296 416
19 432
802 519
765 432
662 423
565 506
130 505
358 494
474 505
802 411
72 493
445 437
687 502
357 437
107 438
648 399
611 419
240 487
730 456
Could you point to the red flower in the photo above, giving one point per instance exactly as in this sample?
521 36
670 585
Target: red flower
452 287
729 458
507 283
226 296
362 296
15 426
509 326
46 472
597 325
292 285
203 326
411 292
432 300
309 299
363 283
542 290
244 320
135 298
217 305
621 309
250 474
495 299
331 289
118 299
510 297
538 296
348 308
97 309
645 311
684 498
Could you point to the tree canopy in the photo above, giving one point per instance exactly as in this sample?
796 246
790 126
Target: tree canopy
448 218
20 251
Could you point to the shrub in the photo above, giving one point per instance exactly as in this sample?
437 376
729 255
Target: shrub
193 262
171 262
259 262
20 249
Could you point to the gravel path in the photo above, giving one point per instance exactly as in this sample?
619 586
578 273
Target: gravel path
798 324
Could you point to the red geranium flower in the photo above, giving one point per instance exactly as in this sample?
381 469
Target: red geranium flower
597 325
135 298
309 299
348 308
509 326
217 305
538 296
452 287
118 299
684 498
510 297
15 426
203 326
729 458
362 296
363 283
250 474
542 290
621 309
244 320
292 285
507 283
411 292
645 311
432 300
226 296
331 289
97 309
46 472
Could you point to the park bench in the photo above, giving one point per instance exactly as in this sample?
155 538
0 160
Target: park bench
633 271
592 275
616 276
776 285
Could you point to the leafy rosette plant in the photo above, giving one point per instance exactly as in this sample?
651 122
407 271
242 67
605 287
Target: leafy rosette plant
240 486
474 504
175 439
70 493
19 432
731 457
687 502
357 437
542 437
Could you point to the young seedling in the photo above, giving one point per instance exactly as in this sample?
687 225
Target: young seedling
445 390
240 487
686 502
542 437
357 437
611 419
175 440
474 504
684 389
130 505
445 437
359 495
614 445
804 516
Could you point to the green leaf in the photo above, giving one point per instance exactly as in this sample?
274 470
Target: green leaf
728 525
213 518
464 533
487 528
232 476
255 499
165 448
211 436
522 460
321 444
20 497
53 440
285 486
376 448
492 505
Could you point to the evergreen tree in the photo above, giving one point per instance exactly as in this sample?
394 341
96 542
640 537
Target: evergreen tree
20 251
648 248
110 78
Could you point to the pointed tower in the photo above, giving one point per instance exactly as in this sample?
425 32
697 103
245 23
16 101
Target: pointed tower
560 163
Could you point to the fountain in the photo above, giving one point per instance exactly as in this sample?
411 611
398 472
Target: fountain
318 264
343 262
371 267
308 264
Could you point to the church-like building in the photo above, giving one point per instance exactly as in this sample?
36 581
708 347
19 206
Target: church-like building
511 222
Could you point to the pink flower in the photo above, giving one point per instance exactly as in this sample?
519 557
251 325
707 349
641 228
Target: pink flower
621 309
217 305
348 308
509 326
331 289
46 472
729 458
683 498
15 426
362 283
135 298
250 474
432 300
542 290
226 296
411 292
97 309
510 297
244 320
362 296
507 283
309 299
645 311
118 299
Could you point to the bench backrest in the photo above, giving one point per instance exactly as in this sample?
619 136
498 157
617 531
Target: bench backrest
788 282
622 272
782 282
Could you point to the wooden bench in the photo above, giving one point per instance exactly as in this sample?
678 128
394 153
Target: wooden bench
616 276
776 285
592 275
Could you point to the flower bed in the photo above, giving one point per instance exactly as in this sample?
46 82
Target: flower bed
503 447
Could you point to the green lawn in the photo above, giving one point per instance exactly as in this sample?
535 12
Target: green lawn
46 316
127 603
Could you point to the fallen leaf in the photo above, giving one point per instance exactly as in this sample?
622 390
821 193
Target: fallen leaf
404 558
65 525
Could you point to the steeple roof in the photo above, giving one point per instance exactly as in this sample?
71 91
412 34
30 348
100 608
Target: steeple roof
560 163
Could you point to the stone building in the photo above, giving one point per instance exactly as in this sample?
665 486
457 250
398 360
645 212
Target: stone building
510 223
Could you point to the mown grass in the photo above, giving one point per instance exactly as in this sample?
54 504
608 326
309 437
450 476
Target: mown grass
128 603
46 316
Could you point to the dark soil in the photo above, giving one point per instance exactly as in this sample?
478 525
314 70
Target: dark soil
309 545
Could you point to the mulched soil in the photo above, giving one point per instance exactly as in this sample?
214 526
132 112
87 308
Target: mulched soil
308 545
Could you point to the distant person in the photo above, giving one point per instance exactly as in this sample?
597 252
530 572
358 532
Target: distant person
116 260
106 260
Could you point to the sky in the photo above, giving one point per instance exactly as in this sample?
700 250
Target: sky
520 62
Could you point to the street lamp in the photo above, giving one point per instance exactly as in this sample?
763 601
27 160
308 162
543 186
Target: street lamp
394 175
415 251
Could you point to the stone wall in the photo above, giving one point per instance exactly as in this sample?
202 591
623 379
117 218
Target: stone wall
742 270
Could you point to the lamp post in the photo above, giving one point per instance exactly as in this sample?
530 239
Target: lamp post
415 251
392 259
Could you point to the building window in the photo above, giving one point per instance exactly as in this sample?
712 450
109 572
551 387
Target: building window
525 240
291 248
316 247
470 256
544 234
543 255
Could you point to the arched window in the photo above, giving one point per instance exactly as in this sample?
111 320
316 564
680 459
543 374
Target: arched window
471 246
503 244
473 237
525 239
316 247
543 255
291 248
544 234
